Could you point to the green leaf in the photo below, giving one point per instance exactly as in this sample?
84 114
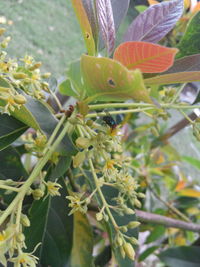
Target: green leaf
65 88
10 130
147 252
107 80
82 242
75 76
61 167
51 225
22 114
189 44
85 25
11 165
181 256
194 162
47 122
156 234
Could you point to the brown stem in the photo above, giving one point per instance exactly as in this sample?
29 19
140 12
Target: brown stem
148 217
177 127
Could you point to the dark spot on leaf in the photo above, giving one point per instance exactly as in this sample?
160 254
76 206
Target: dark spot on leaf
111 82
87 35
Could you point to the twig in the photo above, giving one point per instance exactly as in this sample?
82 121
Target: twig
148 217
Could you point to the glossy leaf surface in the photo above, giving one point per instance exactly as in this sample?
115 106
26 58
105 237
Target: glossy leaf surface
106 79
11 165
154 23
85 25
82 242
189 63
51 224
65 88
10 130
149 58
179 77
181 256
106 23
189 44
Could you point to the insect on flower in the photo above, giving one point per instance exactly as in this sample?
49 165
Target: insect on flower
110 121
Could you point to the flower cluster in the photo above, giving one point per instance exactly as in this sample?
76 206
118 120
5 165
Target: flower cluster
17 77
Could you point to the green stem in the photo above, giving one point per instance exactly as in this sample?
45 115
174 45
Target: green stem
18 216
102 196
39 166
7 187
178 93
52 137
141 105
186 116
101 114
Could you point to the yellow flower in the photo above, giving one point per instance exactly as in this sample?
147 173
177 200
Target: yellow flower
25 259
53 188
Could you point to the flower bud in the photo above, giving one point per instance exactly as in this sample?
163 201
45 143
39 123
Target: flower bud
4 89
89 123
137 203
141 195
20 237
2 30
119 241
37 65
123 254
83 108
20 99
129 251
134 241
132 225
37 194
78 159
19 75
129 211
99 216
46 75
83 142
124 229
25 220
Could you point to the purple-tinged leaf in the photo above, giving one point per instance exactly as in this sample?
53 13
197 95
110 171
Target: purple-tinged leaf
106 23
91 14
154 23
189 63
179 77
120 9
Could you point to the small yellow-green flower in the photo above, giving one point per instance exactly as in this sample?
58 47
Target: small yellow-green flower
53 188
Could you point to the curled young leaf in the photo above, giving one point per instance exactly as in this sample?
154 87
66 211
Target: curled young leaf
106 79
106 23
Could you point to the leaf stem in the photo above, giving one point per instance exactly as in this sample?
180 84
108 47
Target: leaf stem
39 166
178 93
7 187
101 114
102 196
141 105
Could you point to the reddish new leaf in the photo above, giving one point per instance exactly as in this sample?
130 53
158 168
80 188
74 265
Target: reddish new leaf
148 57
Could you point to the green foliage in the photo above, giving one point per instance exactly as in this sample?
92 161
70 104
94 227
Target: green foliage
74 176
